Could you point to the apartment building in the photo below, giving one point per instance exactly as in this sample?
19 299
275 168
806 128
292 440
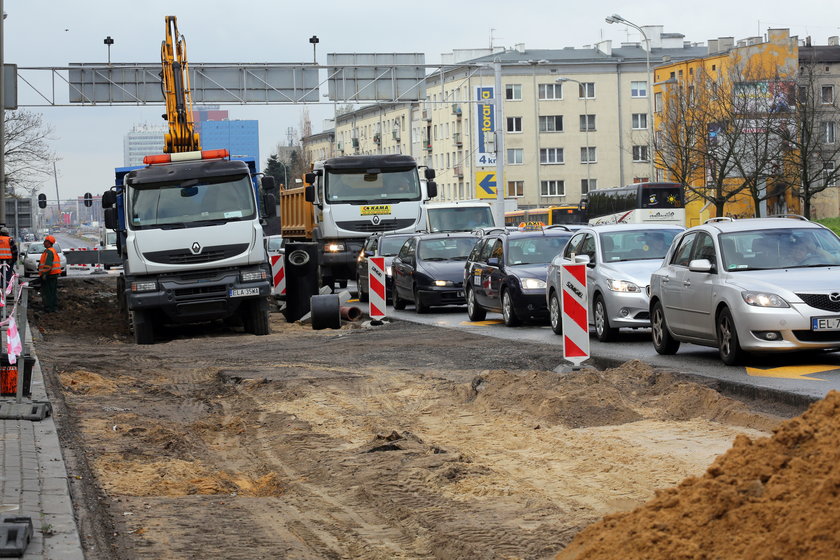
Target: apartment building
573 119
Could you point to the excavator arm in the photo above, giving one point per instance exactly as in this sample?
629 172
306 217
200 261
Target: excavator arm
182 136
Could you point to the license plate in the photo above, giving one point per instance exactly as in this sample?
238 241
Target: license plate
459 294
239 292
825 323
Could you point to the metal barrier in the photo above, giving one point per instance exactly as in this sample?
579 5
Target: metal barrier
92 257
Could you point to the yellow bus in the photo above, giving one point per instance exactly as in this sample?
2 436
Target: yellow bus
550 216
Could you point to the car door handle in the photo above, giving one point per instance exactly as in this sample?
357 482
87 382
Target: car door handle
686 283
665 279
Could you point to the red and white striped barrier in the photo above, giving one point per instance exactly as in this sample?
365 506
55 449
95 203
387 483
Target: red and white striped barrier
575 313
376 287
81 249
278 275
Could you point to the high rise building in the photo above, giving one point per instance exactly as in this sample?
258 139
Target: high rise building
142 140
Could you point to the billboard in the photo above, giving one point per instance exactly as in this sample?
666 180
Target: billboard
768 96
485 153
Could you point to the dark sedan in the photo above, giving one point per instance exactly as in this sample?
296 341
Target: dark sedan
385 245
506 273
429 270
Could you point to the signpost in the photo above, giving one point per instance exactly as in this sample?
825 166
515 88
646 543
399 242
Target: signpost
575 305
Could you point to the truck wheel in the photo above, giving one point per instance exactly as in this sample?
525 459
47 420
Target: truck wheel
144 327
363 296
255 317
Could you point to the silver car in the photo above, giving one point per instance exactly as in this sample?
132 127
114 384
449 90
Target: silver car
33 256
753 285
621 258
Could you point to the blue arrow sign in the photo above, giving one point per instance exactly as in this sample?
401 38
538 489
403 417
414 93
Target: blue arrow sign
487 186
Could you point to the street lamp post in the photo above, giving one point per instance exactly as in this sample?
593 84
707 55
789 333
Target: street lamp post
615 18
585 131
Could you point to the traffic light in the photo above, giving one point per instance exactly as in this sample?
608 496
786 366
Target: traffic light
88 199
42 200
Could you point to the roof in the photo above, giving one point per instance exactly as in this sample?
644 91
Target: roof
621 54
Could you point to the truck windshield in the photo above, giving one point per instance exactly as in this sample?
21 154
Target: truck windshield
364 188
216 200
461 218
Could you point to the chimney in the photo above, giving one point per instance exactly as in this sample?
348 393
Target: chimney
519 47
725 43
604 47
834 41
713 46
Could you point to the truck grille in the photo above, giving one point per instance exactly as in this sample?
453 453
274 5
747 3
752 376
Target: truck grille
820 301
207 254
366 226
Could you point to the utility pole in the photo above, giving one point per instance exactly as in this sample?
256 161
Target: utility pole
499 212
2 118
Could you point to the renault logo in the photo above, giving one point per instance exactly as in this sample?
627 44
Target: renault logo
375 220
195 248
834 296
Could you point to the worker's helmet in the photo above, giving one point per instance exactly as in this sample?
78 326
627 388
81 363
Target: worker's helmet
4 230
50 238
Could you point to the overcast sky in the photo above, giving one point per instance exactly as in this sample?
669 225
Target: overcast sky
89 140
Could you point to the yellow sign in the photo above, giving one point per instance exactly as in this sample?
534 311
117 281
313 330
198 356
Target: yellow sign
376 209
485 184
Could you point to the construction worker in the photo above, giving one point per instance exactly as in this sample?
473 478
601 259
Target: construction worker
8 252
49 269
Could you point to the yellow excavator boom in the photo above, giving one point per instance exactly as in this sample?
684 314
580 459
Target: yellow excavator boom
182 136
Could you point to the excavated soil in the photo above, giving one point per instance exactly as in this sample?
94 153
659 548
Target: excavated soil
399 441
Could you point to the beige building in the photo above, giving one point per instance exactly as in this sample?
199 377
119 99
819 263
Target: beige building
589 129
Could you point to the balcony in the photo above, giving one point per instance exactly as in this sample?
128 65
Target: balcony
458 170
377 138
456 109
427 146
457 139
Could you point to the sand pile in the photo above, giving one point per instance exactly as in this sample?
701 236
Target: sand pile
776 497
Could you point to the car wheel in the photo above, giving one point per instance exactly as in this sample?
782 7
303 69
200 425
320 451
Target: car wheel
396 300
603 330
555 313
728 345
508 312
419 306
663 342
474 311
363 296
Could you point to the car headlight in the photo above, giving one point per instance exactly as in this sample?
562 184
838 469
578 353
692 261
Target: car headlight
253 275
442 283
533 284
334 247
147 286
764 299
623 286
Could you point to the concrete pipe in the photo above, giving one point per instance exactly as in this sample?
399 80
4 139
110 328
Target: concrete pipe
350 313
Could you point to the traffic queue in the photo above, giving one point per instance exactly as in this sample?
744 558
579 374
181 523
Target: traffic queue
756 285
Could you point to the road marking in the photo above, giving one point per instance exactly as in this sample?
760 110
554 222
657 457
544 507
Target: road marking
791 372
483 323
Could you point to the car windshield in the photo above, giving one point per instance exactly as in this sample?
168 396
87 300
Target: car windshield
170 205
39 248
390 246
779 248
636 245
535 250
446 248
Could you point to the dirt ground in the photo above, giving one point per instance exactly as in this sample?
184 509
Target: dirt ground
399 441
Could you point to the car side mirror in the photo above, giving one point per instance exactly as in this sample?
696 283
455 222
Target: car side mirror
583 259
700 265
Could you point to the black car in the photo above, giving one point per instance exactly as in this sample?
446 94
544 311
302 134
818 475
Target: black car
385 245
506 273
429 270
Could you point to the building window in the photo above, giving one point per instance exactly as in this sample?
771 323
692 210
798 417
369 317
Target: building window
550 91
514 124
587 185
550 156
641 179
552 188
515 156
828 132
640 153
551 123
516 189
587 155
639 121
513 92
587 123
638 89
657 101
587 90
827 95
828 173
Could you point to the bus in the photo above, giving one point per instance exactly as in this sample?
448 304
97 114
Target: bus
553 215
639 203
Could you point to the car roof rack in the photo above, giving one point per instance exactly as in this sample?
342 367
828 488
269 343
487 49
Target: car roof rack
792 216
719 219
557 226
489 230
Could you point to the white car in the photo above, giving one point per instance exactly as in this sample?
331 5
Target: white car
33 256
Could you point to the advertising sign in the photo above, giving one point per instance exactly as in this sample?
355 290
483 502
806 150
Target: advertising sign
485 153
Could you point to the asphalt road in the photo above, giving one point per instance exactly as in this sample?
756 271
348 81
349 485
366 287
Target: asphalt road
799 375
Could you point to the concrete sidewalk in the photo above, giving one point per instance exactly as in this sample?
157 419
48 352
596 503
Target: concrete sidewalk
34 480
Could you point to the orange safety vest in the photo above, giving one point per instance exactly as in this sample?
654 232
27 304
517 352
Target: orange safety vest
5 248
56 263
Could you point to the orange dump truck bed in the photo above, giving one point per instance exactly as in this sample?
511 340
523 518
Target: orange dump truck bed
295 214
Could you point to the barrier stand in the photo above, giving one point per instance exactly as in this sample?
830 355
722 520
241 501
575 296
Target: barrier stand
19 410
376 289
575 303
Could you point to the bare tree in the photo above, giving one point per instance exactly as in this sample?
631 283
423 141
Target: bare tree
27 151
